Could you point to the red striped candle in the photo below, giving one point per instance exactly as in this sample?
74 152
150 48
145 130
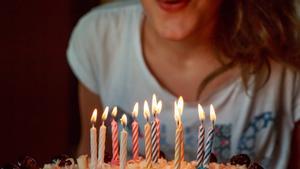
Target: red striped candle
135 133
115 141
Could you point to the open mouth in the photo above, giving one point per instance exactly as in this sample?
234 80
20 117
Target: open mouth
172 5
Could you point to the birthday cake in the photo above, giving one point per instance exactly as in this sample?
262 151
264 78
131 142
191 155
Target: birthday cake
205 159
240 161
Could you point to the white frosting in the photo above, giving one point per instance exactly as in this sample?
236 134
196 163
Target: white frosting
161 164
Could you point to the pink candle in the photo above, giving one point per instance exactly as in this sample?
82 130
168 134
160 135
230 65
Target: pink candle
115 141
135 133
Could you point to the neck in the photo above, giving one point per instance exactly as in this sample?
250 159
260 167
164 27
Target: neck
199 42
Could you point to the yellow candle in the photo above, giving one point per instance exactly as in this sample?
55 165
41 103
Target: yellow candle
180 111
177 158
93 141
147 129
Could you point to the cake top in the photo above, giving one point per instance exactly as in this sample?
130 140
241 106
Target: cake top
241 161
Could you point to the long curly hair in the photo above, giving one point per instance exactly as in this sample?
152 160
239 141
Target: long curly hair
250 33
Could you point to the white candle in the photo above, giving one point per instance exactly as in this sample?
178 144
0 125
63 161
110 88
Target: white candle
102 137
93 141
123 145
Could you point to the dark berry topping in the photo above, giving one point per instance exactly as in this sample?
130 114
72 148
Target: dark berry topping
68 162
28 163
61 157
213 158
255 166
241 159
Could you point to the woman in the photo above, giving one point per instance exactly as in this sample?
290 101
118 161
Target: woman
238 55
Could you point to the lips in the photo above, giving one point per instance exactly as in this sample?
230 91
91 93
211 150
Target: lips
172 5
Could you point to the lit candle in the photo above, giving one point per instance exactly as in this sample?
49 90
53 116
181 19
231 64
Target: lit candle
210 138
115 141
180 110
177 158
155 129
102 137
123 145
154 141
93 140
135 133
201 136
158 110
147 129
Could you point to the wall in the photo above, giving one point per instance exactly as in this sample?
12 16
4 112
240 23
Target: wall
38 100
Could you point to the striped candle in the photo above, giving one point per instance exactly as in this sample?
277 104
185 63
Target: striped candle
158 110
148 145
115 141
147 129
102 137
135 133
210 138
177 158
154 141
180 106
201 137
123 145
181 142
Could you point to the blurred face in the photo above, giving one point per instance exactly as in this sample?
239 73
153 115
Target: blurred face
179 19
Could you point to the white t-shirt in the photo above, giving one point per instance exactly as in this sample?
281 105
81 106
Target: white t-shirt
106 56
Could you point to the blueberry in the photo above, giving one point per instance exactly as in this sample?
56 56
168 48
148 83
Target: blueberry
241 159
255 166
213 158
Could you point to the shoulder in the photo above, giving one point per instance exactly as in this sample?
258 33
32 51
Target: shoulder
109 15
284 73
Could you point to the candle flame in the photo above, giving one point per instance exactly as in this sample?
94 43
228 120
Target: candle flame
94 116
124 120
146 110
105 113
180 105
176 112
159 107
201 113
212 113
135 111
154 104
114 112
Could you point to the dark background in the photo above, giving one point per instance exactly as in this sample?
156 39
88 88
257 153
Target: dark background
38 98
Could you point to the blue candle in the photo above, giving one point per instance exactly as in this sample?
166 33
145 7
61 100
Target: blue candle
210 138
201 135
